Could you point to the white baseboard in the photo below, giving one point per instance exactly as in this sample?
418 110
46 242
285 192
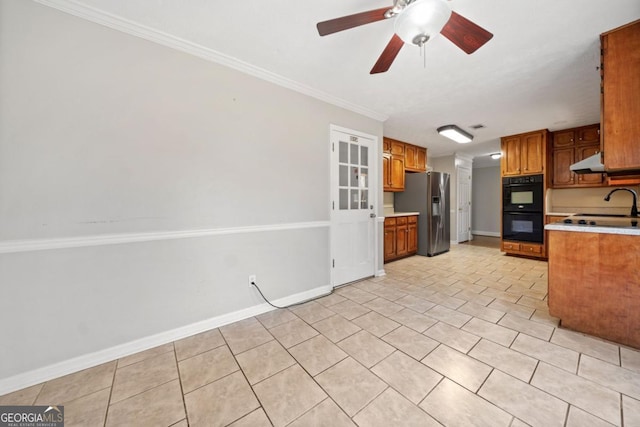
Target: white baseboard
380 273
46 373
485 233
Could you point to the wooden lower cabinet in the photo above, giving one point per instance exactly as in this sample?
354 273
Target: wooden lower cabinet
521 248
400 237
593 284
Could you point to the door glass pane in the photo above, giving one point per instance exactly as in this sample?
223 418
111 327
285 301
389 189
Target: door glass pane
344 199
364 156
354 176
355 202
354 154
344 176
343 154
364 199
364 178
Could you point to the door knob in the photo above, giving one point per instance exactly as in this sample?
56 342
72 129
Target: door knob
372 215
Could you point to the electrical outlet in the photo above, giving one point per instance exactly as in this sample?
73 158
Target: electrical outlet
252 279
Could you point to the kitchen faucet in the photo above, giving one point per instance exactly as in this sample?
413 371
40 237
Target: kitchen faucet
634 206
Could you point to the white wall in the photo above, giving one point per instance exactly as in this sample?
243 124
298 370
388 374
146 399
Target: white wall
104 134
485 207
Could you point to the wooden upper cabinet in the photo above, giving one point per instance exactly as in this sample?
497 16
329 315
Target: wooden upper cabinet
393 165
532 152
564 138
510 156
588 134
562 159
422 159
524 154
397 158
621 98
415 158
410 156
588 179
571 146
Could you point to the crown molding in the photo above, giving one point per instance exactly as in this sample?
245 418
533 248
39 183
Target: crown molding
130 27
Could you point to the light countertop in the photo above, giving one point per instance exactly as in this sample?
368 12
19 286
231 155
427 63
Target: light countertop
395 214
605 225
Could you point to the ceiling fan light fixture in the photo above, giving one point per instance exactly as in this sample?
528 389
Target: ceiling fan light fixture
456 134
421 20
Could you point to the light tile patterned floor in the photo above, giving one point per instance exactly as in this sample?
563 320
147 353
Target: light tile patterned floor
460 339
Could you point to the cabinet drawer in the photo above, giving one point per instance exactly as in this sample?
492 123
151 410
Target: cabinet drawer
531 249
389 221
413 219
402 220
510 246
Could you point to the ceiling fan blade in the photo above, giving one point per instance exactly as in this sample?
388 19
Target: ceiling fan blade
388 55
465 34
334 25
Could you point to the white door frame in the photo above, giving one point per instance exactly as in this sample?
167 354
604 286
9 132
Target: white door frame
374 197
461 209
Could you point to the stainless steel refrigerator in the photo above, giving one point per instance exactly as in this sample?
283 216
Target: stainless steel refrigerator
428 194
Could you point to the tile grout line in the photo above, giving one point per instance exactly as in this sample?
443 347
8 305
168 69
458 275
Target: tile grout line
113 381
182 394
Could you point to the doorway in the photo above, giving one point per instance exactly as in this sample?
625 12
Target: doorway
354 192
464 204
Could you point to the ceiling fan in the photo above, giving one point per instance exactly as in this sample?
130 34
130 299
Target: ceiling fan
416 21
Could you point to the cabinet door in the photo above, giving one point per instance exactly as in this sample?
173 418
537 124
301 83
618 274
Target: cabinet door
563 139
532 153
422 159
412 237
397 173
510 162
588 135
386 146
621 91
562 159
397 148
582 152
389 243
401 240
410 157
386 172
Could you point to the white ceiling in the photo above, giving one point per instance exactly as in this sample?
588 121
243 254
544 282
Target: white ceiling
538 71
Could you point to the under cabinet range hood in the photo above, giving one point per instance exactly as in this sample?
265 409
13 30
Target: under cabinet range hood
592 164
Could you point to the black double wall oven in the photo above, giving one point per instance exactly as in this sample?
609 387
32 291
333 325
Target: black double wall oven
522 208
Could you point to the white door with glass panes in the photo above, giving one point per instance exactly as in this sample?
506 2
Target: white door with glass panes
353 218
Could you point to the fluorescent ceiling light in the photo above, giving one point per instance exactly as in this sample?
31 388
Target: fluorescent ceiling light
455 133
496 156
